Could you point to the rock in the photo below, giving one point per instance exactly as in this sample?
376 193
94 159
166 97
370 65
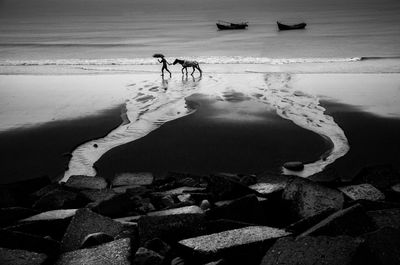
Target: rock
386 218
181 190
380 176
176 211
308 222
18 240
115 252
177 261
227 187
119 205
21 257
384 246
51 223
86 182
13 214
157 245
167 201
328 176
60 199
242 241
84 223
98 195
306 198
185 198
375 205
96 239
245 209
18 193
129 179
124 189
294 166
248 180
146 256
308 250
394 192
171 228
205 205
220 225
265 189
362 192
352 221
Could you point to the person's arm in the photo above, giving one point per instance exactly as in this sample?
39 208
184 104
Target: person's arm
159 61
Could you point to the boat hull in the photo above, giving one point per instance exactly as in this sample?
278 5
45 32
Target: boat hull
290 27
232 26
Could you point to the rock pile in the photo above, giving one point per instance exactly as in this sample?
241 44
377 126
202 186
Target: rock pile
182 219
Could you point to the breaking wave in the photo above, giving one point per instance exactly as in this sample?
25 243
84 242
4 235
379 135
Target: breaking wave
153 61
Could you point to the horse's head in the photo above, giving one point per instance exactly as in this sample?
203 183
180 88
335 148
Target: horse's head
176 61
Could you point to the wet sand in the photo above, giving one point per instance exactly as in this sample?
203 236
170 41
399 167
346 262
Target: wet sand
43 150
202 143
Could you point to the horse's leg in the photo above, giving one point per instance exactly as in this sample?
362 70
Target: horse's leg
198 68
186 70
193 70
182 69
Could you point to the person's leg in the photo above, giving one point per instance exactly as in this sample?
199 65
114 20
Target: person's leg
170 75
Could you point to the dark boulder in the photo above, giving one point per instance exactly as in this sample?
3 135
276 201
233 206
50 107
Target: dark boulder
86 222
305 198
96 239
60 199
86 182
158 246
129 179
245 209
226 187
320 250
386 218
21 257
352 221
13 214
380 176
116 252
384 246
146 256
18 240
363 191
294 165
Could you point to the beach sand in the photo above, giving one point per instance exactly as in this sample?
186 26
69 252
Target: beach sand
242 122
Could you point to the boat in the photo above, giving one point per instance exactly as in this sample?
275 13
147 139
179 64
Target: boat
288 27
222 25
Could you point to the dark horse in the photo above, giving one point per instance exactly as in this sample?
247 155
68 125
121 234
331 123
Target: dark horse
185 64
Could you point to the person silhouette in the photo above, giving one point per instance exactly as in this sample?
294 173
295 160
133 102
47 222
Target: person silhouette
164 66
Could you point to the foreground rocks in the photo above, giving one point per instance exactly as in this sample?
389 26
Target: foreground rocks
181 219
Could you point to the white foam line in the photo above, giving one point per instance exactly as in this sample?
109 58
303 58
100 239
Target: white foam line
305 111
147 110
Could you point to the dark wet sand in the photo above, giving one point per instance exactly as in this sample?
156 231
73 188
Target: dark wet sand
38 151
373 139
197 144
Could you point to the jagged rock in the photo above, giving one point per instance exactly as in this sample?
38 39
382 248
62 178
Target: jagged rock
245 209
98 195
96 239
171 228
119 205
124 189
185 198
386 218
178 261
384 246
308 222
306 198
242 241
46 189
60 199
294 165
115 252
205 205
248 180
21 257
181 190
362 192
51 223
132 219
86 182
380 176
17 193
158 246
167 201
352 221
146 256
86 222
226 187
339 250
18 240
220 225
176 211
13 214
271 186
129 179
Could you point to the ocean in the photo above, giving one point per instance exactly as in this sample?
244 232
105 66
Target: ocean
117 30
